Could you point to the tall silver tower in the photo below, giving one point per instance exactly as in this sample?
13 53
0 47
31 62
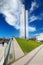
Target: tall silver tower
24 21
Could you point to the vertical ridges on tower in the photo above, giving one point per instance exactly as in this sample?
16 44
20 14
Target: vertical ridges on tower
24 22
27 24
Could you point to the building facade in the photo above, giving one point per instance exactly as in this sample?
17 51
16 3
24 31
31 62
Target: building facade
24 23
39 37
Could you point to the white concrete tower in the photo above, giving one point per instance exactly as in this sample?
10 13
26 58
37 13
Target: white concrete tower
27 24
22 22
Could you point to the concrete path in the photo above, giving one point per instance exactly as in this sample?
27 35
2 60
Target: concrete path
2 51
35 57
2 61
17 50
14 48
38 59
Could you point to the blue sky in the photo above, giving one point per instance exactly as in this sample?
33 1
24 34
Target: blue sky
35 18
7 30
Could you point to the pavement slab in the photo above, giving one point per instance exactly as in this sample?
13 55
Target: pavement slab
17 50
28 58
2 52
2 49
38 59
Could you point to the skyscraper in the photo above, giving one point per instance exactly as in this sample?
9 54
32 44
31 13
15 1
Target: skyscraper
27 25
24 22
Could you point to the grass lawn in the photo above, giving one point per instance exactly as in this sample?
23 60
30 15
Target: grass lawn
27 45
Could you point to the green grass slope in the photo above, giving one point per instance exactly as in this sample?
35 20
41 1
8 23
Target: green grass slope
27 45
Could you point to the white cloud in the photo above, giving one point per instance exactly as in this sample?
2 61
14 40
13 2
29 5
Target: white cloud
11 9
37 34
41 16
33 6
31 29
33 18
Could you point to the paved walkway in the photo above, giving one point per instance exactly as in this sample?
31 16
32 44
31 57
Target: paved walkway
17 50
2 51
38 59
18 53
33 58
